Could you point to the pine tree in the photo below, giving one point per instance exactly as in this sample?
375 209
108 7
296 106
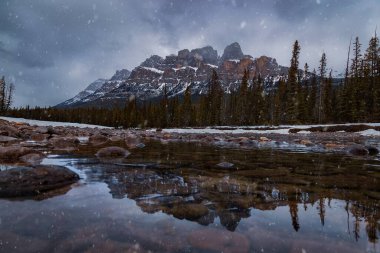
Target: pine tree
303 95
242 107
312 101
6 95
371 59
186 110
356 60
2 94
215 98
279 101
327 99
322 81
291 102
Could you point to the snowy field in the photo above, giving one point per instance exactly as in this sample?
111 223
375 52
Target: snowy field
282 129
50 123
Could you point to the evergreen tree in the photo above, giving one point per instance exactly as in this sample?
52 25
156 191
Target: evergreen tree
322 81
242 106
356 60
303 95
215 99
291 102
6 95
372 73
328 99
312 101
186 110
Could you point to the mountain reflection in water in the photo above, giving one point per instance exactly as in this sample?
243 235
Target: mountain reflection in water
272 199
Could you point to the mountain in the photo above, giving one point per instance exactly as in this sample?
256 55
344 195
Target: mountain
83 94
175 73
97 89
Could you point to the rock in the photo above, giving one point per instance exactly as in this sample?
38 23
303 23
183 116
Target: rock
98 139
42 130
39 137
334 146
372 150
13 153
116 138
28 181
64 143
140 145
225 165
306 143
264 139
9 131
8 139
358 150
112 152
32 158
132 141
166 136
215 240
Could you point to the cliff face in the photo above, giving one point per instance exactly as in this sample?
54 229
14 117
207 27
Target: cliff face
176 72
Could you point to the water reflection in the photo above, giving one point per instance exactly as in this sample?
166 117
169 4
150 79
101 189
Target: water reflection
186 184
173 198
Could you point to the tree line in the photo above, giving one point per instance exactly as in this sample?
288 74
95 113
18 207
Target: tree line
300 97
6 95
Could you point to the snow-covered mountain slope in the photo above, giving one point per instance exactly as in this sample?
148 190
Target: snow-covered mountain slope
90 89
97 89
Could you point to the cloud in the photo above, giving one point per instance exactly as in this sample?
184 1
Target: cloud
52 49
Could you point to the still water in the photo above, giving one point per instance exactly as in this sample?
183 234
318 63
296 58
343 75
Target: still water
173 198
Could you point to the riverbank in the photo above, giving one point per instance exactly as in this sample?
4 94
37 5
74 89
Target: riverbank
356 139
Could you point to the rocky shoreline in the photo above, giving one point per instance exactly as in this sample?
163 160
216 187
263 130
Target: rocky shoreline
23 147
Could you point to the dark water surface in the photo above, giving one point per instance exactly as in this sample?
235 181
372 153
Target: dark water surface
173 198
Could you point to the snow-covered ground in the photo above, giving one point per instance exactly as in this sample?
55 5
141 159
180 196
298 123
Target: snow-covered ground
282 129
50 123
221 131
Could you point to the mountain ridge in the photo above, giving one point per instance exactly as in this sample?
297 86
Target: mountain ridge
175 73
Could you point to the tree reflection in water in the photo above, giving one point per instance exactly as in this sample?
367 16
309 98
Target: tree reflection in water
186 184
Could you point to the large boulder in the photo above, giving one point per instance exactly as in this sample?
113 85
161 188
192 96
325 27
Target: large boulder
32 158
29 181
132 141
358 150
9 131
64 143
8 139
98 139
13 153
112 152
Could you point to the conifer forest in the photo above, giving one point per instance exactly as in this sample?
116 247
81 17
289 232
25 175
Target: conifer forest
301 96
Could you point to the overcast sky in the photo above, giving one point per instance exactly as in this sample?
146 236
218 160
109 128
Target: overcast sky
52 49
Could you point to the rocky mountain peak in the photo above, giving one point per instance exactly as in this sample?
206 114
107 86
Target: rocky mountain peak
175 72
206 54
153 62
232 52
120 75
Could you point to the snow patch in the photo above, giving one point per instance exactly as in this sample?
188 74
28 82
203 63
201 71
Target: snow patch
154 70
370 132
50 123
